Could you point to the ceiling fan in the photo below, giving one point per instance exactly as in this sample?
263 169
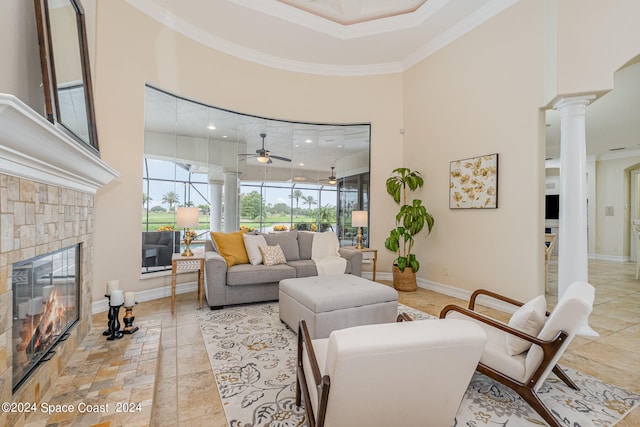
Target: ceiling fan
331 179
263 155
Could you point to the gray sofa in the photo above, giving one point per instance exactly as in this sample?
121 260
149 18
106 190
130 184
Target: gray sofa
246 283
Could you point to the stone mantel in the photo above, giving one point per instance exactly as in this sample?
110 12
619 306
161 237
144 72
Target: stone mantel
31 147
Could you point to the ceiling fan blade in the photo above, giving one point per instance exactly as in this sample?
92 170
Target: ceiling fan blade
284 159
247 154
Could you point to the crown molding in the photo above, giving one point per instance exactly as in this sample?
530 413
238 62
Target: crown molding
297 16
31 147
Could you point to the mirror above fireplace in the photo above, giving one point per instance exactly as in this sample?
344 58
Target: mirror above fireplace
66 74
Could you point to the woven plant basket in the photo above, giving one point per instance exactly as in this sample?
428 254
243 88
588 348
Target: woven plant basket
404 280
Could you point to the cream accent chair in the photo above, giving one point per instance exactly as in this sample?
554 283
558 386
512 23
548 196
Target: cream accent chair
526 372
407 373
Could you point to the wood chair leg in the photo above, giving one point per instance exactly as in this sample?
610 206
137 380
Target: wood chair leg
565 379
532 399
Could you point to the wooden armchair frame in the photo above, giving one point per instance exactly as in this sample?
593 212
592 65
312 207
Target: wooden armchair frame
549 349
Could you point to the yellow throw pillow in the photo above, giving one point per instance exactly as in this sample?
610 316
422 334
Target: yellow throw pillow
231 247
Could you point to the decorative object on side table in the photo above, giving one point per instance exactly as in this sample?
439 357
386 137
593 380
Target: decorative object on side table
115 302
187 218
129 303
410 221
359 219
112 285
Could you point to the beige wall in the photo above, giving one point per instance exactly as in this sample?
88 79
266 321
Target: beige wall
613 189
481 95
595 38
132 50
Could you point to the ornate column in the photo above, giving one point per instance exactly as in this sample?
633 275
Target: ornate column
573 248
231 214
215 195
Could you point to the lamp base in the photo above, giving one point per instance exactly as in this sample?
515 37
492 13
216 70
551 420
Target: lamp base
187 243
359 245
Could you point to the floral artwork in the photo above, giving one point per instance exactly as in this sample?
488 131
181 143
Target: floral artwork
474 183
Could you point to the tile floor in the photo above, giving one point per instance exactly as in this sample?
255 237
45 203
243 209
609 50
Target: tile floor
186 393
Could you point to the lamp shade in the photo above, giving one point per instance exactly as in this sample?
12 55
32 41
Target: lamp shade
188 217
359 218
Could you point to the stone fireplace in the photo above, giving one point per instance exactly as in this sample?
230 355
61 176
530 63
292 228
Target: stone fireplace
47 187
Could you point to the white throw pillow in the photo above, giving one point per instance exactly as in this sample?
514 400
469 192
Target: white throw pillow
252 244
530 319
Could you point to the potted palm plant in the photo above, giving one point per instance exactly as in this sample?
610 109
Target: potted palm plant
410 221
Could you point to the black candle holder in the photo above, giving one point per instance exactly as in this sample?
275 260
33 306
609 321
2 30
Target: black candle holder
114 324
107 331
128 320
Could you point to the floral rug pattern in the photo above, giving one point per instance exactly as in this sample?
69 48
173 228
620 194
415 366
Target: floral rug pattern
253 358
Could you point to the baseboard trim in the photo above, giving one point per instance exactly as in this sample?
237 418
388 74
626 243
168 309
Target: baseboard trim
452 291
148 295
613 258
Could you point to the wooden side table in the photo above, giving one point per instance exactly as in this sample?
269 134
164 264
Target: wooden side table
180 264
365 252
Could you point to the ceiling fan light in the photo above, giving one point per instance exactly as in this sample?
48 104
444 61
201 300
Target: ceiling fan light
332 181
263 159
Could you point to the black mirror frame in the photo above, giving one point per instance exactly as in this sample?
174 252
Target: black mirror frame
52 106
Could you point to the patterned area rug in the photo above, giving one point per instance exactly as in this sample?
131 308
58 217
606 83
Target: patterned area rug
253 357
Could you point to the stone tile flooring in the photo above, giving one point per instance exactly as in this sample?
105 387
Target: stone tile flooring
186 393
106 383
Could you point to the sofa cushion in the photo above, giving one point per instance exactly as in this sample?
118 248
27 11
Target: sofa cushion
305 243
231 247
247 274
165 238
304 267
272 255
288 241
252 244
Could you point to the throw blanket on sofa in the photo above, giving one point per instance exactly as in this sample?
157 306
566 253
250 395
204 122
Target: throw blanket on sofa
325 252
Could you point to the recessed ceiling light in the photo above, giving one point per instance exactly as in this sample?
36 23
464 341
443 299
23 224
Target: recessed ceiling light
308 141
224 136
300 164
212 127
339 146
297 145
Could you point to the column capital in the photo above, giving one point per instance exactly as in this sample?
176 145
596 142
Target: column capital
573 101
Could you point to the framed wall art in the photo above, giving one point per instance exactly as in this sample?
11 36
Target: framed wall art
473 183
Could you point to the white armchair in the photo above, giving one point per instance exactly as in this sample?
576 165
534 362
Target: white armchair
525 371
408 373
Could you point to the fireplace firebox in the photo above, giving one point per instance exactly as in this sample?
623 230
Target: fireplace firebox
46 301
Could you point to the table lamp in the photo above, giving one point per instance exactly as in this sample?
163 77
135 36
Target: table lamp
187 218
359 219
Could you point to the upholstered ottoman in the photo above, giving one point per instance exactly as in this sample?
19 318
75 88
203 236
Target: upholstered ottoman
328 303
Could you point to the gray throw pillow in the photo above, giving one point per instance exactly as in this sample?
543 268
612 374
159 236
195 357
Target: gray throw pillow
288 241
305 243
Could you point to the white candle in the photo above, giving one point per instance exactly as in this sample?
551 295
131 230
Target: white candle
112 285
46 292
23 309
129 299
36 306
117 298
